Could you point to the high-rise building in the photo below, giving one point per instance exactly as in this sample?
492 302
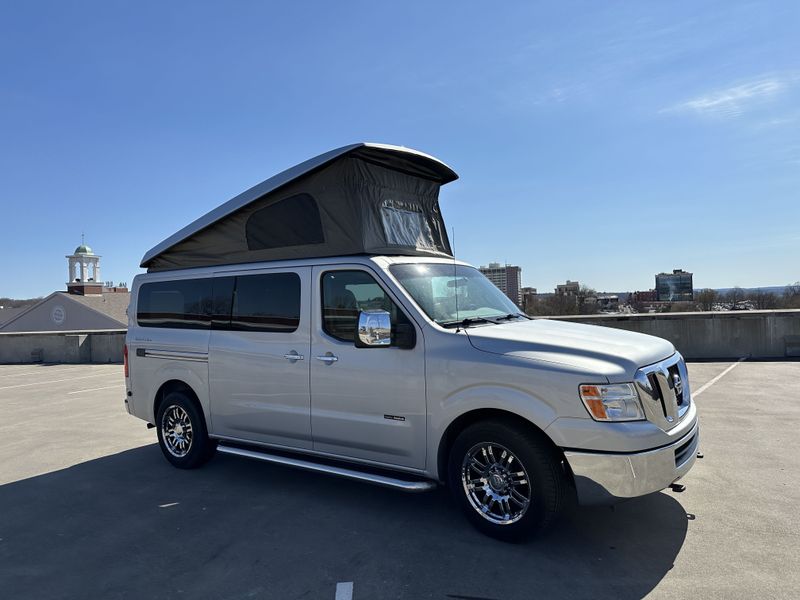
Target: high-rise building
506 277
675 287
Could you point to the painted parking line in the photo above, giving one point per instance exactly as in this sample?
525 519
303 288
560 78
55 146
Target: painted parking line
718 377
21 385
36 372
107 387
344 590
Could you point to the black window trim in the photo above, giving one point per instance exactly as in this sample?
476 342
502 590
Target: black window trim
221 322
208 317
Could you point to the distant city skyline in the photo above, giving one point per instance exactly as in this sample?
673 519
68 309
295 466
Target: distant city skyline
601 142
486 266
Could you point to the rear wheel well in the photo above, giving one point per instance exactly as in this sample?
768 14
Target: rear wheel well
475 416
175 385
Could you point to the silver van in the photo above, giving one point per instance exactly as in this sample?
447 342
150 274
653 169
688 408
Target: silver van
320 321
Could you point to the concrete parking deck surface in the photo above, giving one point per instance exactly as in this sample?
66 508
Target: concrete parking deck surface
90 509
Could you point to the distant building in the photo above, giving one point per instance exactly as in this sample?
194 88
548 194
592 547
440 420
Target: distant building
675 287
84 272
648 296
9 312
506 277
571 288
87 305
529 297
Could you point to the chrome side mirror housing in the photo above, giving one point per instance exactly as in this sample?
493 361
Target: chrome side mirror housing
374 329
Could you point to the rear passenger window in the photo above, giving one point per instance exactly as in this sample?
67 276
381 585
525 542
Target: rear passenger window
266 303
180 304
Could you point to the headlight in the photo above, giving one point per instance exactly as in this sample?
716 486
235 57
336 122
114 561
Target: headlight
612 402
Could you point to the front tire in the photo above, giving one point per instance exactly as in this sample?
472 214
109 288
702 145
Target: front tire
182 433
508 479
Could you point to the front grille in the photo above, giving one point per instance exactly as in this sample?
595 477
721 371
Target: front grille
673 373
664 390
684 451
658 394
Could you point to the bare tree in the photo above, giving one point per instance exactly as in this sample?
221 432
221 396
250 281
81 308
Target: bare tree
587 300
546 306
562 304
763 300
17 303
707 298
734 297
791 295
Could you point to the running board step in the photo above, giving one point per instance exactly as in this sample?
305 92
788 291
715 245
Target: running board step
374 478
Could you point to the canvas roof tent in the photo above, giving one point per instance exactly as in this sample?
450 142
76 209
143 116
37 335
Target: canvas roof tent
359 199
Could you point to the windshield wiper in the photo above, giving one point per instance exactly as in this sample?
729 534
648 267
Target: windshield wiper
510 316
469 321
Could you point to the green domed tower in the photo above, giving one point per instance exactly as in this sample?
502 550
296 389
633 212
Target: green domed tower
84 271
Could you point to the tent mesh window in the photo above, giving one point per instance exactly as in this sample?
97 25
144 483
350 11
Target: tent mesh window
293 221
405 224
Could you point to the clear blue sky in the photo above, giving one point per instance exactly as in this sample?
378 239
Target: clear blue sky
597 141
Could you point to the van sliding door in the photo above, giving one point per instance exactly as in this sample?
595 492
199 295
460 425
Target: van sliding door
259 357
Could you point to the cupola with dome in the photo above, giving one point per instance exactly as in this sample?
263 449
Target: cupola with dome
84 271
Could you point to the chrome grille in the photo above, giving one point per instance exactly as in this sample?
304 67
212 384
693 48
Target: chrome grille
664 390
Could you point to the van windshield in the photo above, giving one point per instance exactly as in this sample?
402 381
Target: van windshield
434 287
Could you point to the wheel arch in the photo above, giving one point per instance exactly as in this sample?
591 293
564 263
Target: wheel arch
468 418
176 385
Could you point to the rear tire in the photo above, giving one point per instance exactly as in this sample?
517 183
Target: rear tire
182 433
508 479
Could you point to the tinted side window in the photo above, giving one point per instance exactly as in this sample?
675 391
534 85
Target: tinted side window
181 304
345 294
294 221
266 303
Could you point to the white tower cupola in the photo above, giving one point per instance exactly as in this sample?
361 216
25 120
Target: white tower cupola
84 271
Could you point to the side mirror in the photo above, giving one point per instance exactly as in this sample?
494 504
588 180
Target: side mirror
374 329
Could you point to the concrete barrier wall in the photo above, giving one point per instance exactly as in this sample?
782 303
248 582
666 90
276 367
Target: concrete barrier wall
62 347
709 335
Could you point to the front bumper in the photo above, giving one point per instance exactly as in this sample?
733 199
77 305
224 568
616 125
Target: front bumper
610 477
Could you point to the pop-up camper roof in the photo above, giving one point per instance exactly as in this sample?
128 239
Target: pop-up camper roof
358 199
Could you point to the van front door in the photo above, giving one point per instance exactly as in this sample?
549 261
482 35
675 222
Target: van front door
259 357
366 403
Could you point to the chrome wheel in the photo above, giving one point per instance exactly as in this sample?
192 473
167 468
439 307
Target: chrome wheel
176 429
496 483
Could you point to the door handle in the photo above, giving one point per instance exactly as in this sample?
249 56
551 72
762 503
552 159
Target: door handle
293 356
328 358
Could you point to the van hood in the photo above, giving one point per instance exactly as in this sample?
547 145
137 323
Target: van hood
602 351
